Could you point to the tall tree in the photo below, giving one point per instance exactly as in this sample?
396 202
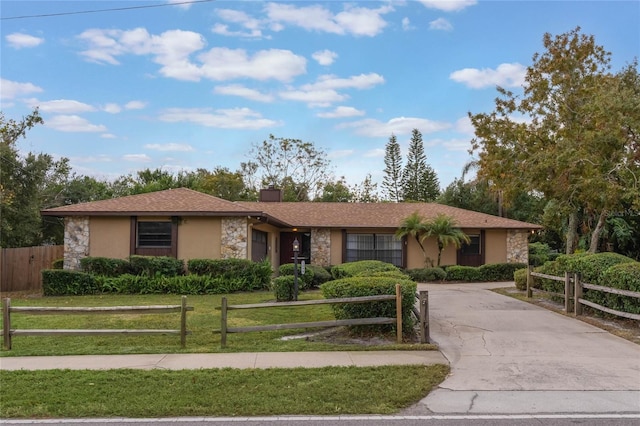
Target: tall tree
366 192
415 226
299 165
419 180
392 181
224 183
578 141
336 192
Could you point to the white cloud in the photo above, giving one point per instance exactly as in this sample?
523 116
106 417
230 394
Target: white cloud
397 126
221 63
238 118
252 28
342 111
177 147
359 21
137 158
61 106
108 136
406 24
375 153
320 98
10 89
112 108
243 92
448 5
21 40
463 125
99 159
340 153
73 123
135 105
324 57
362 81
440 24
506 75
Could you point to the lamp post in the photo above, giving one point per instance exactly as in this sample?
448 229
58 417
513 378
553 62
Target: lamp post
296 250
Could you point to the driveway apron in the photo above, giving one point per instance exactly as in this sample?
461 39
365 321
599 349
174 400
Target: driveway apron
509 356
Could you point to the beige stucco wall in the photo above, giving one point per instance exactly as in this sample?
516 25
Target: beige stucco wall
109 237
199 238
495 246
336 247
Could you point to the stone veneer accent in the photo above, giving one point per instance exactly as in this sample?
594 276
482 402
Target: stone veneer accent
517 246
321 246
76 241
234 238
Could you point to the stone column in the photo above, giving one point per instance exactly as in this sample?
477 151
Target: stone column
321 246
76 241
517 246
234 238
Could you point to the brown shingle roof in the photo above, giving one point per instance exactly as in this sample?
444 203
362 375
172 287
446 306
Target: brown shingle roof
186 202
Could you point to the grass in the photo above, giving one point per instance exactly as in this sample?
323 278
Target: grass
215 392
201 322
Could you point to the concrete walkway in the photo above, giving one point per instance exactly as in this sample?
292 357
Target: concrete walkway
509 356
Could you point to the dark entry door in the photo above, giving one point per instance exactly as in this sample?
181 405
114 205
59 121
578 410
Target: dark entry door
472 254
258 245
286 246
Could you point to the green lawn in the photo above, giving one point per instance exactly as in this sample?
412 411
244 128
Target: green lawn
201 322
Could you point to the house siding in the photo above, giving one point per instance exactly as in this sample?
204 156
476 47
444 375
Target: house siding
110 237
199 238
495 246
234 238
76 241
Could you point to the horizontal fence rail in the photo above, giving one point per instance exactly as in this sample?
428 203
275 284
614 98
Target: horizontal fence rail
7 310
225 329
573 293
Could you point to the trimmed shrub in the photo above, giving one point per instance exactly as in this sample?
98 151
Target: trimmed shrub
60 282
549 268
181 284
424 275
390 274
283 287
305 281
320 275
105 266
156 265
499 271
360 268
463 273
254 275
58 264
624 276
520 278
593 266
371 286
538 253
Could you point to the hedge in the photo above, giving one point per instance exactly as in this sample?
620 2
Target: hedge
156 265
305 281
484 273
283 288
520 279
62 282
624 276
424 275
371 286
255 275
105 266
463 273
361 267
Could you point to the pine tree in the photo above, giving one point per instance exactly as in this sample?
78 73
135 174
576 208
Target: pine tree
392 181
419 180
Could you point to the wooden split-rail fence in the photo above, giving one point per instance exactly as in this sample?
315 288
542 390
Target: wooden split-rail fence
8 332
574 290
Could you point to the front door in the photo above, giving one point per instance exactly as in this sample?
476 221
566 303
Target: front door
472 254
286 246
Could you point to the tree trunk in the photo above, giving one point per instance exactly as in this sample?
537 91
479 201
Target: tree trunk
572 232
595 235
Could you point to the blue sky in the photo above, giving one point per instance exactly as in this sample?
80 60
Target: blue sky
183 87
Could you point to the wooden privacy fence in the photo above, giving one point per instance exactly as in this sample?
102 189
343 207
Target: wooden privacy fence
574 290
225 329
21 268
8 333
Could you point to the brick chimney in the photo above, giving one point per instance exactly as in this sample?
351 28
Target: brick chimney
271 195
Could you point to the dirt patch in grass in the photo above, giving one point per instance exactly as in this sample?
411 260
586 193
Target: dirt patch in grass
628 329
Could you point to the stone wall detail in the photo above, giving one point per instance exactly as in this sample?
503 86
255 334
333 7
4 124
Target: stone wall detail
321 246
234 238
76 241
517 246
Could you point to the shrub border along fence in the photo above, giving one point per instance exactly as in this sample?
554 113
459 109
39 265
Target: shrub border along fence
572 295
7 309
423 315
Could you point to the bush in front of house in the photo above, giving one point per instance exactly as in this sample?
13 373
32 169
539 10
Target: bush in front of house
60 282
398 274
520 278
256 275
156 265
499 271
58 264
305 281
593 266
180 284
106 266
360 268
463 273
425 275
623 276
372 286
551 267
283 287
320 275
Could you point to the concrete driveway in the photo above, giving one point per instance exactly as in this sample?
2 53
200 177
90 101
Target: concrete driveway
509 356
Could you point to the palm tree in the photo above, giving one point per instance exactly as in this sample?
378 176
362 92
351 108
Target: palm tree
414 226
444 228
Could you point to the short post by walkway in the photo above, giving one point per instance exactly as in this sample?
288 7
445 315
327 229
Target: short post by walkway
6 323
577 307
183 322
424 316
568 293
529 282
223 323
398 313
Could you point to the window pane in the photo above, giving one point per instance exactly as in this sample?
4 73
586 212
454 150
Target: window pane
384 247
154 234
473 247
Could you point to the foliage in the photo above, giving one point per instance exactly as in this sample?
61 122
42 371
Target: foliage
225 184
499 271
365 192
419 181
361 268
335 192
463 273
320 275
256 275
392 181
415 226
539 253
305 281
445 230
623 276
520 278
105 266
424 275
359 286
593 266
60 282
283 287
156 265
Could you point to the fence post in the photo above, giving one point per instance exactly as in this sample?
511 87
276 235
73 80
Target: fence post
424 317
6 321
529 282
183 322
223 323
398 313
577 308
568 293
